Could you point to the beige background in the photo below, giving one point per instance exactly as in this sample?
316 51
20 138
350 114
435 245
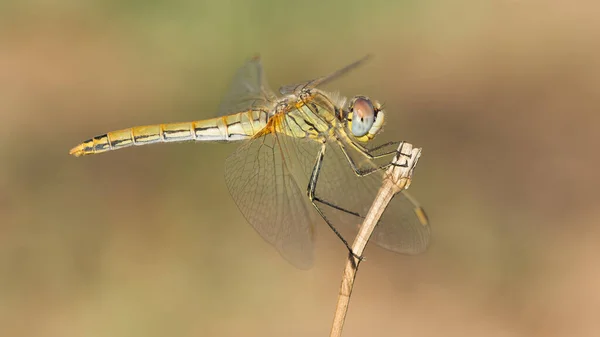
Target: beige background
503 96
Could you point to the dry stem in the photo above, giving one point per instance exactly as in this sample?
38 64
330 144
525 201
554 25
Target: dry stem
397 178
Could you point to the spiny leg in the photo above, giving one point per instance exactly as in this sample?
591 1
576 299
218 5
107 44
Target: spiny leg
369 152
363 172
312 186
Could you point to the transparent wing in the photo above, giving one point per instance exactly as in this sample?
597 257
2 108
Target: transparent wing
404 215
268 176
248 89
297 87
260 178
347 197
403 228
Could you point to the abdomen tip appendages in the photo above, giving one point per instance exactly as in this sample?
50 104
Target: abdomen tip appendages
88 147
75 151
79 150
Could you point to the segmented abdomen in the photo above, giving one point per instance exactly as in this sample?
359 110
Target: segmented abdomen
227 128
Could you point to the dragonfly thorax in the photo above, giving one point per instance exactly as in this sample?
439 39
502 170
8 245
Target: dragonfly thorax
281 107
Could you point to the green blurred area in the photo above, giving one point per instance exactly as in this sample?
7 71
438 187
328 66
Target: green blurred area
501 95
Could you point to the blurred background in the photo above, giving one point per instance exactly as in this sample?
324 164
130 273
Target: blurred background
501 95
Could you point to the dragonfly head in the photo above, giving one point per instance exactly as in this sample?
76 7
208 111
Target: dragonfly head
364 118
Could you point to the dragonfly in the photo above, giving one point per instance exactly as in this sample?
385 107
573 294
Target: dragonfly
304 155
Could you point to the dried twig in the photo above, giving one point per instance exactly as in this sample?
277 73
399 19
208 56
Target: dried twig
397 178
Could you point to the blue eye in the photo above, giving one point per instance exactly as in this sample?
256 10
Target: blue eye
363 116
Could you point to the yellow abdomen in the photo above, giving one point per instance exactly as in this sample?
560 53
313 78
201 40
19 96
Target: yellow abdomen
234 127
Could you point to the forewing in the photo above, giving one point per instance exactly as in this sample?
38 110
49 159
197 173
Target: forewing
297 87
259 177
403 227
248 89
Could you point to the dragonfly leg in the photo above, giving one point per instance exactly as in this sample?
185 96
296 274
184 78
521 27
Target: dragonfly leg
312 186
370 153
366 171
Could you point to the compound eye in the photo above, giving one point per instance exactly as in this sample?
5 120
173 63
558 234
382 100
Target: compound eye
363 116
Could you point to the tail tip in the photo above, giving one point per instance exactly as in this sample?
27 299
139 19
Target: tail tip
77 151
